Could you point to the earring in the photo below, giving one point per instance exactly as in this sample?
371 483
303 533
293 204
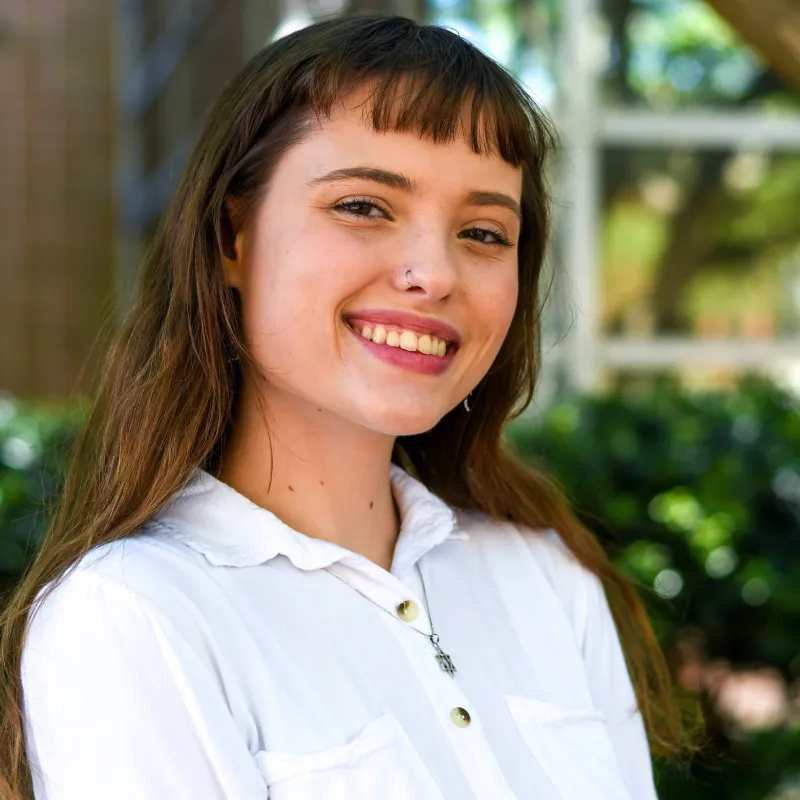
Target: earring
466 404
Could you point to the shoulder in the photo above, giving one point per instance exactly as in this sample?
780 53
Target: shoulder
544 556
113 629
139 583
544 545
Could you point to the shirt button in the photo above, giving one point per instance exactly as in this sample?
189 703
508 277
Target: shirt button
460 717
407 611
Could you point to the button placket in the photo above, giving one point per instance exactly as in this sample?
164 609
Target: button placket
459 714
387 591
455 714
410 611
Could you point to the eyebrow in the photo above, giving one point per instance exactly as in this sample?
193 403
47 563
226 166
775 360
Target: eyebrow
479 198
396 180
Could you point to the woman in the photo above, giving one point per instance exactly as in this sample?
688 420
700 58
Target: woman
293 559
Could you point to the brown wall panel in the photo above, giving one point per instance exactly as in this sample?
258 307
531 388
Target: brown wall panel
56 218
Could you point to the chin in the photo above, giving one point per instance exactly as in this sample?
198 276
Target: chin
398 424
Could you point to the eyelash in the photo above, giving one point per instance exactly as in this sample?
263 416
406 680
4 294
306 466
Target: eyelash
502 239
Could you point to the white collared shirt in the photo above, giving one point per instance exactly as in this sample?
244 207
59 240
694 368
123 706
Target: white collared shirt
211 657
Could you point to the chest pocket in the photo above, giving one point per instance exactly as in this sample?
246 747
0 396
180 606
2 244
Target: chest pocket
379 762
572 746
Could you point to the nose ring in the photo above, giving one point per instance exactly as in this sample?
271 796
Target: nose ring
408 281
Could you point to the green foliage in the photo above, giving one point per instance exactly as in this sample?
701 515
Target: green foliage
35 442
683 52
697 497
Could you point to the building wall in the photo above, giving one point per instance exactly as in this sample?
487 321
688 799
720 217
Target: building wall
56 205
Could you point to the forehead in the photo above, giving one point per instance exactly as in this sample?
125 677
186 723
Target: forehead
347 137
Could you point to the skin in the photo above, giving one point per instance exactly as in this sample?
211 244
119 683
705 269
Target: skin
300 264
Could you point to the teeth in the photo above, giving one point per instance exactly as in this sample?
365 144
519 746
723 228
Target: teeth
379 335
406 340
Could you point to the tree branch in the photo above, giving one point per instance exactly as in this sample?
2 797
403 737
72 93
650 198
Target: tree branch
772 27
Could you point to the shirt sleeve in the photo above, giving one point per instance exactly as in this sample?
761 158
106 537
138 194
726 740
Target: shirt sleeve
117 704
613 693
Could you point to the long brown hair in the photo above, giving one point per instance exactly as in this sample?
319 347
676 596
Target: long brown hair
165 397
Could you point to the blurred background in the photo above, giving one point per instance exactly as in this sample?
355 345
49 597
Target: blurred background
670 393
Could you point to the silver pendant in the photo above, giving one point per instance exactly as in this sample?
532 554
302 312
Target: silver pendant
445 662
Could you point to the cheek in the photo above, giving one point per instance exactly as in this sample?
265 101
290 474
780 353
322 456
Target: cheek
494 301
282 272
298 282
312 265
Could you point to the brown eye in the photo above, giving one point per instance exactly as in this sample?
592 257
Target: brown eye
356 205
501 239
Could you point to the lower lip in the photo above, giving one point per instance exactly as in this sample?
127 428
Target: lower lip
413 362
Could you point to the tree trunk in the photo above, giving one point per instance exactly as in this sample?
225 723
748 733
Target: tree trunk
691 244
772 27
695 230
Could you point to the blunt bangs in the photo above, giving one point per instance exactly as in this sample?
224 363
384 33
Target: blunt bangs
423 80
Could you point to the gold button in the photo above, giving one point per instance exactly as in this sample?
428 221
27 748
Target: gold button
408 611
460 717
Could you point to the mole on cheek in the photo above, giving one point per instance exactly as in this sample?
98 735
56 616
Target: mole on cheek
291 489
371 504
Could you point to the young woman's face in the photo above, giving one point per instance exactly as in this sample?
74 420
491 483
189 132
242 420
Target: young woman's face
327 253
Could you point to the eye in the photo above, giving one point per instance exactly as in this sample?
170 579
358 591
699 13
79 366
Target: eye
501 239
356 205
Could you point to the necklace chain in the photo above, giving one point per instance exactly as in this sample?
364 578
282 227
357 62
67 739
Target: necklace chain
445 662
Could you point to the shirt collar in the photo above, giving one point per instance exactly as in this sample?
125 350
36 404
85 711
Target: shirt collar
230 530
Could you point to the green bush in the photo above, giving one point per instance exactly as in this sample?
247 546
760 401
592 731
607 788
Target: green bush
35 442
697 497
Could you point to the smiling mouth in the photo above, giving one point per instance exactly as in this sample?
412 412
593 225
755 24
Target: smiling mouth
410 341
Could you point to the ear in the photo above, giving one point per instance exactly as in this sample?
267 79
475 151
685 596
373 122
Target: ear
232 243
233 264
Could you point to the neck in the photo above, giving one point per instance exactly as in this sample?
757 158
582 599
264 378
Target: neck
329 478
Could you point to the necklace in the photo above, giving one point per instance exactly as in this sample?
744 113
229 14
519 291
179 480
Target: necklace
444 660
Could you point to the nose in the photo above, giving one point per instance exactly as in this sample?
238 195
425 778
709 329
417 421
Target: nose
431 262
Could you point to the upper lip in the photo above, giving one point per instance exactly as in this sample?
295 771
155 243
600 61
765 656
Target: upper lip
407 321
